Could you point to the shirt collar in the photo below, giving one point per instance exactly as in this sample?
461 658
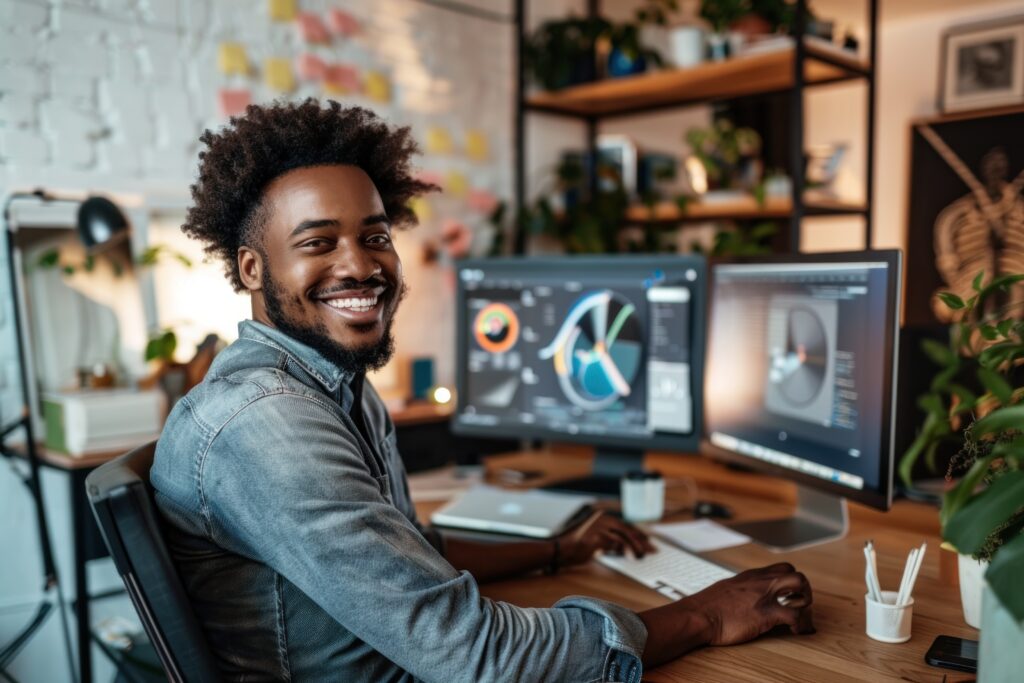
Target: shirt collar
324 371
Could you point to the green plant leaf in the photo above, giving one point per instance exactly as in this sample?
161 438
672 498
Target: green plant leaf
941 354
1003 576
967 398
988 332
68 270
951 300
1005 326
48 259
1000 420
996 384
986 511
958 496
976 284
932 403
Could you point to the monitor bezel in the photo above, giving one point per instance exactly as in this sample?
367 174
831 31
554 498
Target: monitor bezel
881 497
689 443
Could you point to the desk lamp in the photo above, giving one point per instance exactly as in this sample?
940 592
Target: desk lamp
101 224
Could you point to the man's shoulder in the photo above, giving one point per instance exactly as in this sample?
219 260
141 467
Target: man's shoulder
242 375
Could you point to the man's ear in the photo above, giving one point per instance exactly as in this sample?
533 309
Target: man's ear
250 268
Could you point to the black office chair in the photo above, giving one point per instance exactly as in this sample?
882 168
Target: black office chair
122 501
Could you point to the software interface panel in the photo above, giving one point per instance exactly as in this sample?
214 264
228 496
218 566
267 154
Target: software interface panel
579 354
796 367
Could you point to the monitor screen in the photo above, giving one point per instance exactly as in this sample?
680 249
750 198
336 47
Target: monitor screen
603 350
801 368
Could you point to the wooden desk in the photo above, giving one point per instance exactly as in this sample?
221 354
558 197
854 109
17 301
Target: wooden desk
839 651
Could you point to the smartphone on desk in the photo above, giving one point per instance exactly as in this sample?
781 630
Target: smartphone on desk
959 654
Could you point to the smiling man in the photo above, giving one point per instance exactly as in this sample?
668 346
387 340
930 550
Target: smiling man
288 511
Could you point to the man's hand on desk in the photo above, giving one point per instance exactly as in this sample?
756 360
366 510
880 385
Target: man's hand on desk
730 612
601 532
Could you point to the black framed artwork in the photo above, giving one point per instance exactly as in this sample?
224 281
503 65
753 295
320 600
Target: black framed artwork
982 65
966 208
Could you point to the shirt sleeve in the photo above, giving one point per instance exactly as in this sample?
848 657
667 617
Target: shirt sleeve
300 498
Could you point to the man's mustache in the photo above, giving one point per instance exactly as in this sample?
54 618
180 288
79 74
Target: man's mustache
352 283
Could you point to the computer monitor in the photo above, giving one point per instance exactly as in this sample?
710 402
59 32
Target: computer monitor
607 351
801 382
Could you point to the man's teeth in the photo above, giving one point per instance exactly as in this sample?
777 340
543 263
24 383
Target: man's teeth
360 305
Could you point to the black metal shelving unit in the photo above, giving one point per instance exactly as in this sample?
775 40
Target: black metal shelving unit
808 66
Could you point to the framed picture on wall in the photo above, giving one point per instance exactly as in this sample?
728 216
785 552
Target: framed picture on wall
966 209
982 65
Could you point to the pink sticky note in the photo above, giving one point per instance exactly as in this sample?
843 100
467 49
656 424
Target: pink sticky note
310 67
342 77
482 201
311 29
232 102
342 23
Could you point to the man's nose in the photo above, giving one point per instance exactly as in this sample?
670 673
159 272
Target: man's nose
353 262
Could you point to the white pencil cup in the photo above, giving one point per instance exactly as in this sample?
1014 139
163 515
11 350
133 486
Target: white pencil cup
885 621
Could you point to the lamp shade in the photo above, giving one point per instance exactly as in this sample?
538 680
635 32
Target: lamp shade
100 222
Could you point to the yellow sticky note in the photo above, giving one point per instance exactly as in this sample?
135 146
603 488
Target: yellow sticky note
421 207
377 87
278 75
476 145
438 141
282 10
455 184
231 59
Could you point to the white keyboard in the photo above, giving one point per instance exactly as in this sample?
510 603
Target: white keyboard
672 571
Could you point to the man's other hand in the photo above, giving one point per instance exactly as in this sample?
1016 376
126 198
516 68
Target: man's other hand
754 602
601 531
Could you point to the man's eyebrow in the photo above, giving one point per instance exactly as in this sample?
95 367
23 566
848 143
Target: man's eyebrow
377 218
313 224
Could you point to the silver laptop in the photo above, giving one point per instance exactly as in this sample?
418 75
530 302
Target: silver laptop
539 514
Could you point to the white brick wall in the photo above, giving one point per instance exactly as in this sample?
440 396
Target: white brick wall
112 95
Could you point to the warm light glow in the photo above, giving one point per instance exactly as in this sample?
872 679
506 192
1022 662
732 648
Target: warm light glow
698 175
442 395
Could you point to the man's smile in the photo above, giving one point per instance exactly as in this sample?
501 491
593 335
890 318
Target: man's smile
355 305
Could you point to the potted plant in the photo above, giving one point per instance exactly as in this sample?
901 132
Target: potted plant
982 516
730 157
563 52
721 14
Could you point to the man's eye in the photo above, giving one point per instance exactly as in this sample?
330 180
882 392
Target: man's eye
315 243
379 239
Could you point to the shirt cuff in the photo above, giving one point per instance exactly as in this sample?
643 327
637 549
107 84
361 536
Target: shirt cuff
623 633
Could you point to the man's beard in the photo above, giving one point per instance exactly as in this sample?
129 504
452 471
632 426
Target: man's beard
356 360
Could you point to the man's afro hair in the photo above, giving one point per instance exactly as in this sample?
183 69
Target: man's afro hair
243 158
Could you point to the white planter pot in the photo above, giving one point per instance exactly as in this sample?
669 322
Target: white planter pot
972 586
1000 655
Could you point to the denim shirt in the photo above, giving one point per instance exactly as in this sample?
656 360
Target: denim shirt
298 544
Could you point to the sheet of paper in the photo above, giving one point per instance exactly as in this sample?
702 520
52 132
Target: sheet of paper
701 535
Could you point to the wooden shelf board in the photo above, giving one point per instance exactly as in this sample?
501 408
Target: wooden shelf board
737 77
748 209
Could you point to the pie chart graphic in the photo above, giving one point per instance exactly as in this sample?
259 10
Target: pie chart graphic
597 351
496 328
801 369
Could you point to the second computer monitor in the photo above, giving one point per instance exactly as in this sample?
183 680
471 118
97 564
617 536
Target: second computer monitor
601 350
801 375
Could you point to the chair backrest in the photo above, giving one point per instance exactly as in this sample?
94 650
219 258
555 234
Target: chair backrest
122 500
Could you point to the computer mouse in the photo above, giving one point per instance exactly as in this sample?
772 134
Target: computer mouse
707 508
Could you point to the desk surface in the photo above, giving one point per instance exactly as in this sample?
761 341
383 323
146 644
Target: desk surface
839 651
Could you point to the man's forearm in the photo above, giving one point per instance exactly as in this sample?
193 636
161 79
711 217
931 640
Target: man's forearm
490 561
672 631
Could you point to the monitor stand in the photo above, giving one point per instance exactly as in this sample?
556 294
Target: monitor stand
610 465
819 518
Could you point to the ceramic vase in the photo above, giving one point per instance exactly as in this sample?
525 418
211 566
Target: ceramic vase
1000 655
972 585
